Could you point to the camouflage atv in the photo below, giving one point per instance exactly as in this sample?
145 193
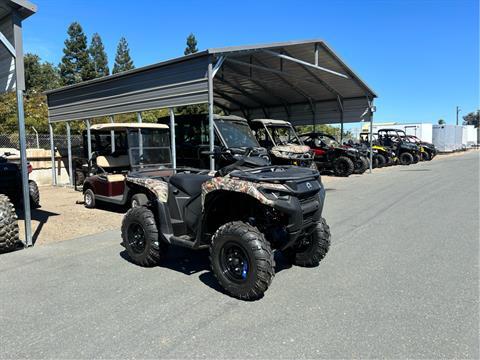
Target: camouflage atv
283 144
241 213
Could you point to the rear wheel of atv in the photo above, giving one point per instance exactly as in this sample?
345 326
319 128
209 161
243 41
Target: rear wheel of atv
8 225
406 158
426 156
374 162
343 166
140 237
416 158
34 194
242 260
89 199
361 165
381 161
314 249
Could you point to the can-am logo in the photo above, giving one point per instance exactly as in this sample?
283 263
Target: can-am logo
309 186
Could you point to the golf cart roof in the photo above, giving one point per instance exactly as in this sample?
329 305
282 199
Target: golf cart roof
271 122
229 118
125 126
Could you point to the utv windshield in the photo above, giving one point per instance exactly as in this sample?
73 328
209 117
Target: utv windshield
237 134
149 147
284 135
327 140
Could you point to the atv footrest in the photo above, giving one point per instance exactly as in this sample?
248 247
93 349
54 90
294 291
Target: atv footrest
186 241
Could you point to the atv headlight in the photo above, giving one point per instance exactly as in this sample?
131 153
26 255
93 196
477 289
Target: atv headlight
275 194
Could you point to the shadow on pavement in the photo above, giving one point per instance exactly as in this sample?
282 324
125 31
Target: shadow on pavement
190 262
39 215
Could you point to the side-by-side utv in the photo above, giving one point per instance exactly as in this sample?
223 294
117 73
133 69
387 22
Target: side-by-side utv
331 155
282 142
406 151
233 139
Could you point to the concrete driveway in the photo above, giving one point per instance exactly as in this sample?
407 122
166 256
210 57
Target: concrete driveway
401 280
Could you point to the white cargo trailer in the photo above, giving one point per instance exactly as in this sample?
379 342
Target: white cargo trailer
469 136
421 130
447 138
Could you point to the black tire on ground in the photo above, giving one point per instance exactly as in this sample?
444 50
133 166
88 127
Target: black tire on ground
314 250
34 194
242 260
140 237
361 165
426 156
381 161
8 225
89 198
139 200
406 158
343 166
416 158
374 162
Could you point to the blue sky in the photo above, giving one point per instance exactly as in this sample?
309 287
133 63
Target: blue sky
420 56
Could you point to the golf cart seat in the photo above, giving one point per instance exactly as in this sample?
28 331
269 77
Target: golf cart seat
113 163
189 183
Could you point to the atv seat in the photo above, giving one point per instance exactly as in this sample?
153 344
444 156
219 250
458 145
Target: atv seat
189 183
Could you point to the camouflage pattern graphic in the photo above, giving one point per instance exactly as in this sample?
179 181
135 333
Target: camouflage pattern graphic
297 149
240 186
157 187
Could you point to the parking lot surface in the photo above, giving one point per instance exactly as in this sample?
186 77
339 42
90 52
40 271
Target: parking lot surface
401 280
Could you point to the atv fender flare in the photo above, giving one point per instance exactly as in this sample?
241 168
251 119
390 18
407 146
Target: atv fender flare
239 186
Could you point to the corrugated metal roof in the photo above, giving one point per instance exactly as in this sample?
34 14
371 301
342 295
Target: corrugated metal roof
278 80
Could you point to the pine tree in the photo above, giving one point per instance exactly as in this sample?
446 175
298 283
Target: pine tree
123 61
99 56
76 65
191 45
40 76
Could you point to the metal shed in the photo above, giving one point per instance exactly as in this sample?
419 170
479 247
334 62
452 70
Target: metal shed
303 82
12 78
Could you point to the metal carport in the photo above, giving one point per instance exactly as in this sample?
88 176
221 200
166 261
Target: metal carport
303 82
12 78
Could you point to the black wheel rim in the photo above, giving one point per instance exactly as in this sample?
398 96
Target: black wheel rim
341 167
136 238
234 263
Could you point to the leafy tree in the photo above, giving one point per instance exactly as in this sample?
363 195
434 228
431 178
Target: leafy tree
76 65
123 61
472 118
191 45
40 76
441 122
99 56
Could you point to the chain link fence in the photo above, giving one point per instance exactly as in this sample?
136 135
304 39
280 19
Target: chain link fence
42 141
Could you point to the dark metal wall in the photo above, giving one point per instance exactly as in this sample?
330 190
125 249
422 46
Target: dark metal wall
174 84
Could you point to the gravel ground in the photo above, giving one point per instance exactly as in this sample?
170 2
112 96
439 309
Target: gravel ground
400 281
60 218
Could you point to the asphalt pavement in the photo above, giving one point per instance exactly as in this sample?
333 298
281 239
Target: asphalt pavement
401 281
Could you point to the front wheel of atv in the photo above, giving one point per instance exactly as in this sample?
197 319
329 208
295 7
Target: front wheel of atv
416 158
34 194
426 156
140 237
8 225
313 249
406 158
343 166
242 260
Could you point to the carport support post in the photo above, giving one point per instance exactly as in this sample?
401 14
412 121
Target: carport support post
52 155
172 138
371 143
211 132
89 140
112 135
69 146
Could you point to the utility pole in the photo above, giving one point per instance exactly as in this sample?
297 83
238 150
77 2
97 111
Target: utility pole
458 110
